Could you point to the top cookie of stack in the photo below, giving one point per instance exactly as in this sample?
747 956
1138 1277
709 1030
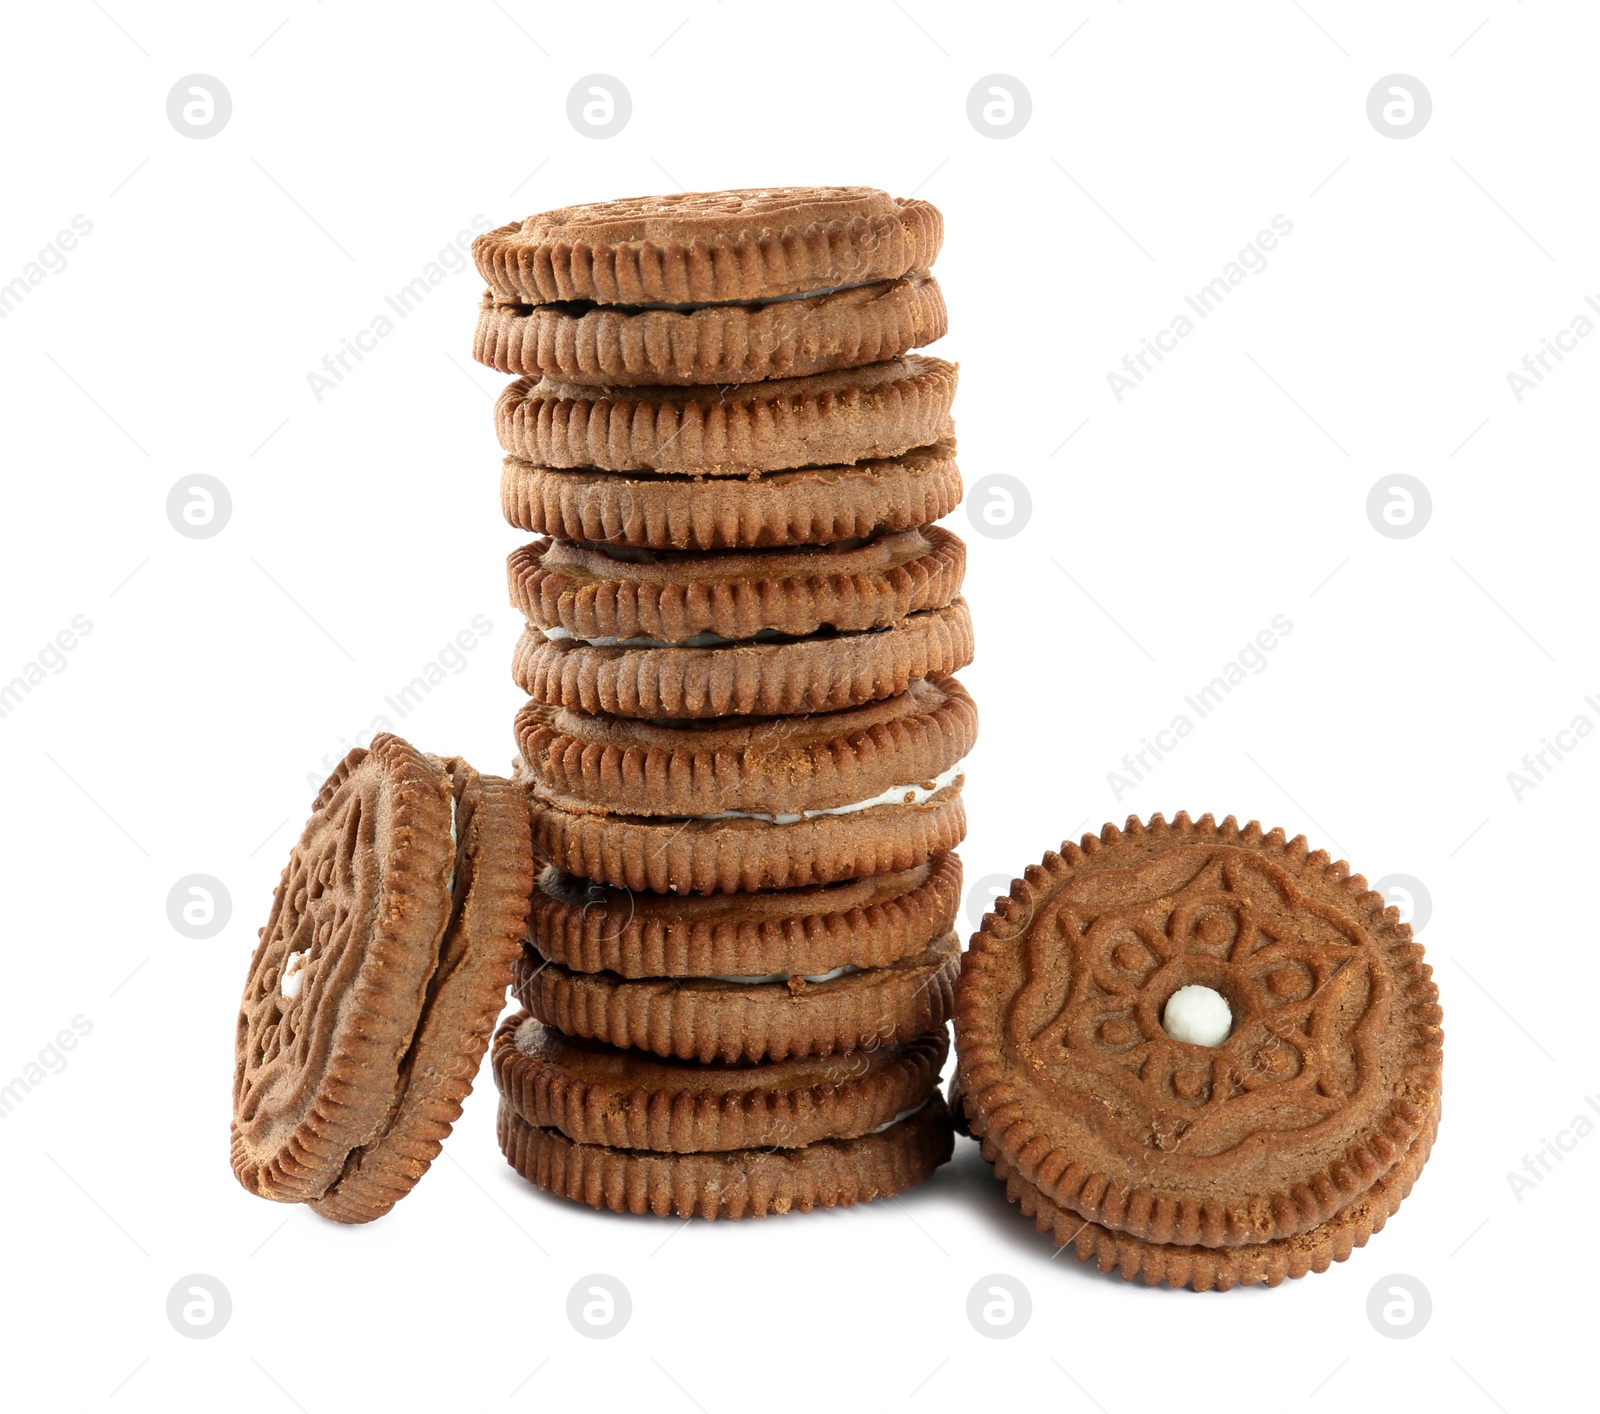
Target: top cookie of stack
692 288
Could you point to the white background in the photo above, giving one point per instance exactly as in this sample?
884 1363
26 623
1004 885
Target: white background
1166 530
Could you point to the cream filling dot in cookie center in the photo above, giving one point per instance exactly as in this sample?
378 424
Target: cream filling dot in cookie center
915 793
294 974
1197 1015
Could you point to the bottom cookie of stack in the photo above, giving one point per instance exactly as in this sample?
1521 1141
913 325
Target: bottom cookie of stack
640 1134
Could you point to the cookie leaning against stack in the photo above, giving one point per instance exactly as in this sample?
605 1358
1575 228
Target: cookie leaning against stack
376 982
742 743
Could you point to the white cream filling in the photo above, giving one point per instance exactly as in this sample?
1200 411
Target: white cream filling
904 1114
450 888
698 640
294 974
754 981
914 794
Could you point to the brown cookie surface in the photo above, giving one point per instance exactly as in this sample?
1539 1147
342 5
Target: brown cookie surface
781 768
738 1183
625 346
869 922
717 1019
489 909
813 506
821 672
1222 1268
709 247
371 993
596 1094
1327 1078
648 598
823 419
667 855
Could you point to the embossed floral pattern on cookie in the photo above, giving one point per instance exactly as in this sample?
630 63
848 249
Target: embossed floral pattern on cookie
1304 981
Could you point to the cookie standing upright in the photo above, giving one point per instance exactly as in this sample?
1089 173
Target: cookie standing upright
742 744
377 979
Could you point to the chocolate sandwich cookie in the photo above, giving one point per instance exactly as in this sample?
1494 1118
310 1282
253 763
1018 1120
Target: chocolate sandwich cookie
822 419
674 634
709 247
1200 1035
597 1094
775 676
765 803
787 337
778 768
753 1018
588 927
377 979
816 505
735 1183
728 854
608 596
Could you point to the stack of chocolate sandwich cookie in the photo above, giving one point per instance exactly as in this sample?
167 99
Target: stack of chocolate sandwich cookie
742 742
